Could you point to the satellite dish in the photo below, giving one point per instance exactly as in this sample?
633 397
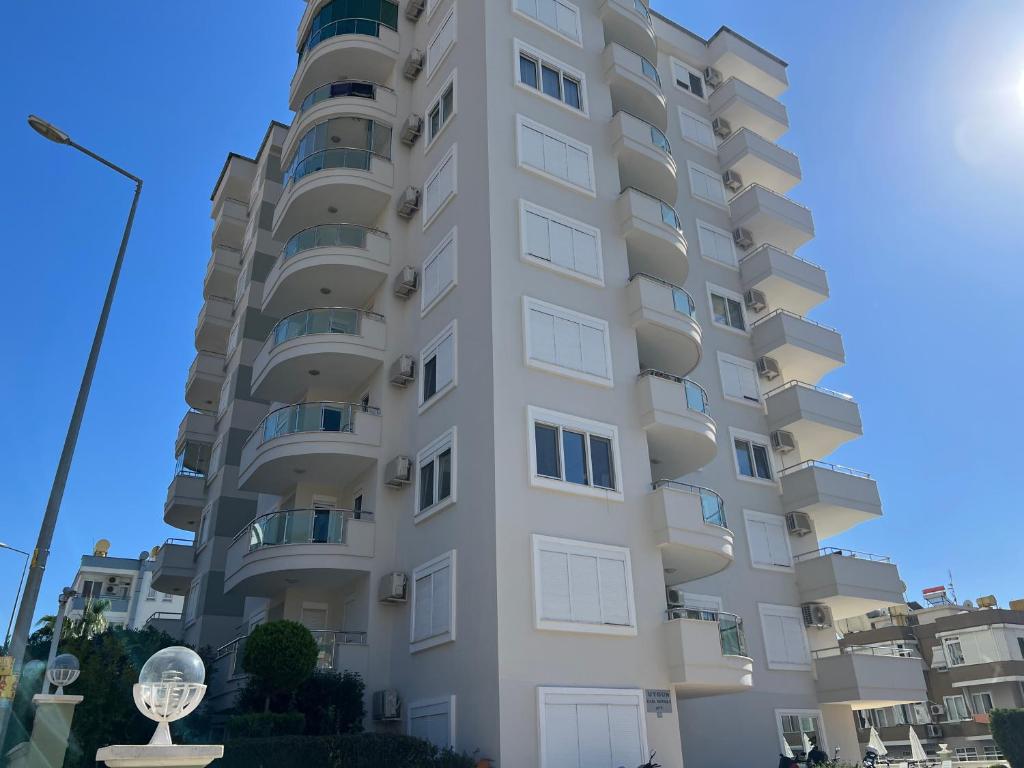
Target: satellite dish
968 604
101 548
143 556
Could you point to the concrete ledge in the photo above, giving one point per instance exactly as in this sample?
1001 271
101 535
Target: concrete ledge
147 756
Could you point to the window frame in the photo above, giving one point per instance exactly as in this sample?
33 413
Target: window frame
682 111
437 101
946 643
522 121
734 264
448 700
815 713
190 609
520 48
451 156
431 66
963 700
788 612
716 176
450 330
750 515
568 546
431 453
590 428
754 439
570 315
525 207
724 357
452 238
712 290
583 693
982 710
448 559
674 62
577 41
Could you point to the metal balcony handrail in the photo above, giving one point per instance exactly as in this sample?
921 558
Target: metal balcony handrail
318 237
712 505
824 465
731 634
640 8
696 396
340 636
235 200
280 333
228 647
215 297
349 409
162 615
345 514
771 192
769 246
867 650
658 137
834 551
222 247
794 315
691 307
176 540
310 99
805 385
744 129
360 153
357 25
676 223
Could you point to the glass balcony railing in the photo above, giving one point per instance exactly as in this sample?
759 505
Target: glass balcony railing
640 8
329 236
311 417
668 213
731 635
341 142
682 302
350 17
360 89
340 157
695 394
310 322
649 70
659 140
712 505
193 460
301 526
328 641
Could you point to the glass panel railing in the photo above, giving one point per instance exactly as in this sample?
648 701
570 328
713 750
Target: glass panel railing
325 159
328 641
193 460
696 397
642 9
683 303
298 526
361 89
659 140
351 17
670 217
329 236
711 504
311 417
650 71
734 639
309 322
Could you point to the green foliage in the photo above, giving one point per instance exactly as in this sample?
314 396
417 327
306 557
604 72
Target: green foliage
331 702
260 725
364 750
280 656
1008 733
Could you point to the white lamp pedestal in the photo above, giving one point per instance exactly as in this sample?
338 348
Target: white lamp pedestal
154 756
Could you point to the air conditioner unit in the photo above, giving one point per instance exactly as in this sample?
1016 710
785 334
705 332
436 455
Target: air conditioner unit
799 523
414 9
110 590
413 64
393 588
817 615
111 579
783 441
398 472
406 282
743 238
768 368
755 300
403 370
933 731
674 597
712 77
387 705
937 709
409 202
411 129
732 180
721 127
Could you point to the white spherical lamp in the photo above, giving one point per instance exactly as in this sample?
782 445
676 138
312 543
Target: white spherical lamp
63 671
171 686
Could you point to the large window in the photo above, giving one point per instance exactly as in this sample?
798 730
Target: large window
726 308
981 703
433 720
555 155
558 16
797 726
584 727
432 621
785 639
689 79
753 459
706 185
956 708
436 474
697 130
439 272
768 541
561 243
563 341
954 652
572 454
440 43
341 142
441 186
739 379
441 110
438 362
549 77
582 587
716 244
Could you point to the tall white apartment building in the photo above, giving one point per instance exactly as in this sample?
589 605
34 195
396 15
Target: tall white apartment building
504 386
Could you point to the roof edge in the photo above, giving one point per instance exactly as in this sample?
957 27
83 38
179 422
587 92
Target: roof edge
723 28
235 155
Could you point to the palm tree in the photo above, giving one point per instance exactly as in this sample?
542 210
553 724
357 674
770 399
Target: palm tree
92 622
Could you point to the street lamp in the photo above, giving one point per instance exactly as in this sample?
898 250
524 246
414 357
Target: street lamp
21 582
37 565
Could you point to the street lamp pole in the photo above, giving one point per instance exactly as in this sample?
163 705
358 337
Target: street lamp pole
21 583
42 551
58 629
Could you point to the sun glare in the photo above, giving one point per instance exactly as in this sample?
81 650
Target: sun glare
1020 90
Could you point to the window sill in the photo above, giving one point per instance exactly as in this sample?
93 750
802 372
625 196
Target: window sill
730 329
582 113
426 404
757 481
431 642
615 630
569 373
744 401
425 309
429 512
575 489
545 27
558 180
596 281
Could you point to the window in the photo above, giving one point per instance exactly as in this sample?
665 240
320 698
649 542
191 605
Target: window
560 243
739 379
706 185
726 308
993 753
439 272
439 366
225 396
582 587
441 43
563 341
568 453
697 130
151 593
768 541
954 652
1020 646
752 459
716 244
785 641
966 753
433 720
956 708
192 601
204 527
796 725
555 155
591 727
440 111
435 479
441 186
559 16
689 79
549 77
981 703
433 603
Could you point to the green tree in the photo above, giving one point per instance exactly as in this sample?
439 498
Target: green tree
280 656
331 703
1008 733
92 622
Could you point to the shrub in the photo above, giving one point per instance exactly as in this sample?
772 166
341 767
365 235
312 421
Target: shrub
266 725
280 656
331 702
1008 733
364 750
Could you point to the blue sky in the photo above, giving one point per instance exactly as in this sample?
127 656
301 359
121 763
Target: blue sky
909 123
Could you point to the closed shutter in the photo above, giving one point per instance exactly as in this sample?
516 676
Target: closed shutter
567 20
556 603
748 383
731 383
567 344
549 151
567 341
440 187
775 640
697 130
585 253
542 336
581 586
431 722
592 345
561 244
586 591
532 146
445 362
421 608
556 161
707 186
716 245
538 243
579 167
561 736
439 272
795 639
778 545
440 621
592 729
442 41
614 596
757 538
739 380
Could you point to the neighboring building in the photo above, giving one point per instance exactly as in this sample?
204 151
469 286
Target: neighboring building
127 586
456 413
974 662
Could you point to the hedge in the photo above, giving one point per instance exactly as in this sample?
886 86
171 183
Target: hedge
362 750
265 725
1008 733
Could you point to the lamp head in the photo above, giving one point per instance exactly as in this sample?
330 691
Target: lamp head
64 671
48 130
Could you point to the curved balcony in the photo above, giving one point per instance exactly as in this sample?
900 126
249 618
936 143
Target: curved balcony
655 242
214 324
837 498
205 379
347 262
222 272
174 567
707 652
344 346
324 443
668 336
196 427
681 435
361 43
186 497
311 546
230 218
644 156
635 85
690 529
820 419
628 23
